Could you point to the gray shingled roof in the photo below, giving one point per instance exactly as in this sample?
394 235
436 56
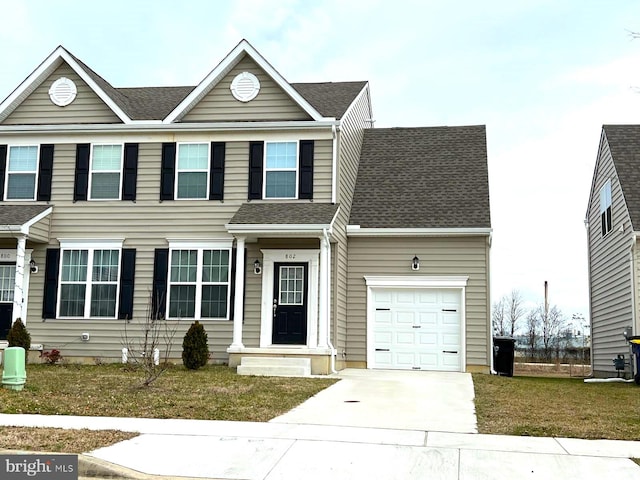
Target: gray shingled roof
331 99
433 177
624 143
285 214
20 214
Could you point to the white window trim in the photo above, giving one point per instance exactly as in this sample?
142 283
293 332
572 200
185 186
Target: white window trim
269 258
265 170
8 173
93 145
90 246
423 281
221 244
606 206
178 171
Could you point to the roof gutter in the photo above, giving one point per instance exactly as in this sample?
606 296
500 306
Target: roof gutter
169 127
357 231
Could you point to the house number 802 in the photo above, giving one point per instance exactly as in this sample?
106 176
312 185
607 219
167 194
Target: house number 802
290 256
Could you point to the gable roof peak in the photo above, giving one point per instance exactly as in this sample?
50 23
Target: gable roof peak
60 54
220 71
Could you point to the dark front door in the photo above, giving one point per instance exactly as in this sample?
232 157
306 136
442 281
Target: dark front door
290 304
7 282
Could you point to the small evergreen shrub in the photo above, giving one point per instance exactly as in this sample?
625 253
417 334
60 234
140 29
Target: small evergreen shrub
18 335
195 348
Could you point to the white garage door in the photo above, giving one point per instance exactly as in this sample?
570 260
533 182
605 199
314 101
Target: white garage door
417 329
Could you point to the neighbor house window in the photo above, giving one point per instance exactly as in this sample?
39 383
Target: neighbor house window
106 168
89 282
7 282
21 173
605 208
192 171
199 283
281 170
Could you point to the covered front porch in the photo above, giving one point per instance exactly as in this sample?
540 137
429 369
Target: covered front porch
21 226
282 299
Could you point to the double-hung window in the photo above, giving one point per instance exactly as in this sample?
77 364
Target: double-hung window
22 173
199 281
106 172
192 178
281 170
605 208
89 280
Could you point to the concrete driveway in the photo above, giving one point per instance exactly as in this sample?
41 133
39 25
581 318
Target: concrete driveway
400 400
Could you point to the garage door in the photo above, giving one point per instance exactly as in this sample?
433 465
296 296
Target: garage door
417 329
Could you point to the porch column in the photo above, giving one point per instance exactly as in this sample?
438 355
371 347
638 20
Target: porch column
18 293
238 305
323 294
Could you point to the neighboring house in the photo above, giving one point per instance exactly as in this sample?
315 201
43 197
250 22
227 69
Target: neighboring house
613 220
267 210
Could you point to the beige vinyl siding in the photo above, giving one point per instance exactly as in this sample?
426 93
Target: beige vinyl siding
349 146
610 271
384 256
39 231
272 103
145 225
37 108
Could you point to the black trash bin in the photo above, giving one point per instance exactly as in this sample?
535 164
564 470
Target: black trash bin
503 355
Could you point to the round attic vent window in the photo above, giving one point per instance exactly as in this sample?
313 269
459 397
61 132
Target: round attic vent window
62 92
245 87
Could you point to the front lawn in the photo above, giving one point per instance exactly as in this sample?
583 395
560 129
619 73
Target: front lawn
211 393
557 407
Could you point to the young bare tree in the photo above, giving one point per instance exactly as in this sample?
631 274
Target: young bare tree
515 311
551 325
149 349
533 324
499 317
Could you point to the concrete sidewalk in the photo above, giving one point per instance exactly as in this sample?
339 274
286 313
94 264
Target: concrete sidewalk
269 451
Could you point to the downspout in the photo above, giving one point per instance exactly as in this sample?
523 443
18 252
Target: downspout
632 250
328 287
586 225
334 167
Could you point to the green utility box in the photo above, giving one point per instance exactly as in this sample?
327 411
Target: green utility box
14 374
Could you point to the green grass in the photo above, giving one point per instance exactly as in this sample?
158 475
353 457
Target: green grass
557 407
210 393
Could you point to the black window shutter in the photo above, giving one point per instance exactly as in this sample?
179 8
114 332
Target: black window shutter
159 293
82 172
3 168
45 172
130 171
305 186
51 269
167 175
256 151
127 277
216 175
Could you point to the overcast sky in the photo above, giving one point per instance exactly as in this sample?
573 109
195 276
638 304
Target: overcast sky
543 76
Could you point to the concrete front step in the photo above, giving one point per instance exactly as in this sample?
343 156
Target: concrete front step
275 366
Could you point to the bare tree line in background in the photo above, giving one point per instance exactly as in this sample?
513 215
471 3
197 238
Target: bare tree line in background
542 333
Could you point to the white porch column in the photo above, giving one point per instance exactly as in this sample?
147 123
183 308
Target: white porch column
18 289
323 294
238 305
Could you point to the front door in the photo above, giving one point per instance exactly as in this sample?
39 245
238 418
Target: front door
290 304
7 285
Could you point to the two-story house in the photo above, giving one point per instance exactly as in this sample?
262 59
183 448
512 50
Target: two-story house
613 223
269 211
